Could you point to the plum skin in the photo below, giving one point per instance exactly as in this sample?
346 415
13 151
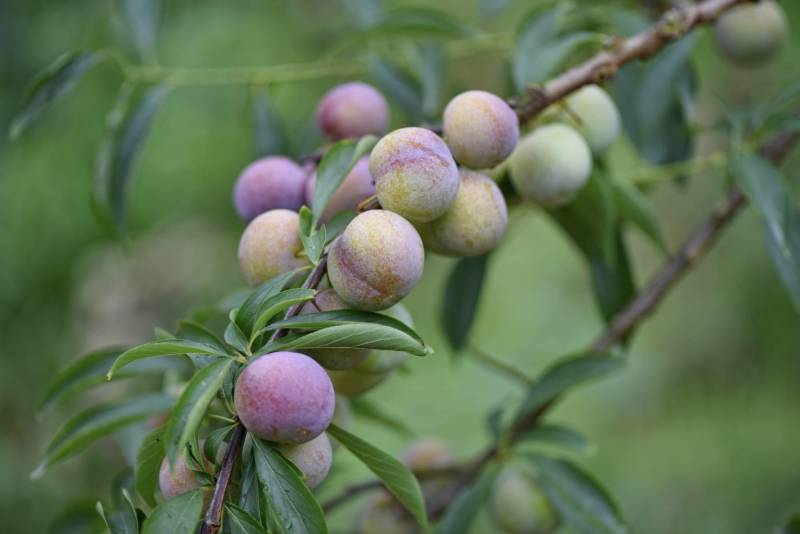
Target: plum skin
313 458
415 174
518 506
480 129
751 34
269 245
600 122
269 183
174 482
352 110
285 397
356 187
376 261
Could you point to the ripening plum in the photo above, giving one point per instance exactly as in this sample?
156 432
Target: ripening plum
380 513
269 246
475 222
284 397
518 506
338 359
376 261
269 183
180 480
751 34
355 188
313 458
480 129
427 453
415 174
352 110
595 115
551 165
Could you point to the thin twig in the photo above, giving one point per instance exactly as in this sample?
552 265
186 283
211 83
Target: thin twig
495 364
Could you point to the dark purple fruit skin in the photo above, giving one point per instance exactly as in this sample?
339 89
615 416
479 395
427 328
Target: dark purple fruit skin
269 183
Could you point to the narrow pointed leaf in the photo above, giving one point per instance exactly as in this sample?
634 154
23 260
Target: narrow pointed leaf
148 462
179 515
194 331
269 132
50 85
142 17
291 504
399 480
461 297
558 436
540 28
465 507
253 306
241 522
355 336
96 422
167 347
277 304
192 406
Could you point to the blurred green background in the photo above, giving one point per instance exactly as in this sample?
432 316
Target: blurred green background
699 433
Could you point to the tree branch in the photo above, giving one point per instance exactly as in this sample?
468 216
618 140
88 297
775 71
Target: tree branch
673 25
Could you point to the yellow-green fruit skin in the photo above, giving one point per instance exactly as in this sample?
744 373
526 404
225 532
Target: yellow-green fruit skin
596 117
752 33
518 506
415 174
337 359
474 224
313 458
269 245
551 165
376 261
480 129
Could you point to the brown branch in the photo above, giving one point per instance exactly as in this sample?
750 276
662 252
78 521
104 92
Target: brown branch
213 519
673 25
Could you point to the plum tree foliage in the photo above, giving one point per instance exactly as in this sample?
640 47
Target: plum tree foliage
334 240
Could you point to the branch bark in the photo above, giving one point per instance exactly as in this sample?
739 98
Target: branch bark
673 25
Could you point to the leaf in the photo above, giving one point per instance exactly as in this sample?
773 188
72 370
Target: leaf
401 89
416 23
120 522
465 507
291 504
370 410
539 66
234 335
277 304
313 241
192 406
269 132
461 297
166 347
96 422
241 522
787 259
538 29
337 224
83 373
77 517
148 462
563 375
348 329
119 150
399 480
193 331
254 305
142 18
633 206
365 13
337 162
250 496
179 515
580 500
212 446
765 186
558 436
428 61
50 85
490 8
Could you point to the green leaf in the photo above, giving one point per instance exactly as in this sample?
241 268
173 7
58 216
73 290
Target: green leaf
250 496
366 409
765 186
563 375
77 517
254 305
142 19
428 62
96 422
539 28
399 480
580 500
241 522
179 515
234 335
193 331
465 507
461 297
633 206
269 131
539 66
558 436
348 329
398 87
592 222
313 241
50 85
118 152
786 260
490 8
416 23
277 304
123 521
336 164
337 224
291 504
792 525
148 462
215 440
365 13
166 347
192 405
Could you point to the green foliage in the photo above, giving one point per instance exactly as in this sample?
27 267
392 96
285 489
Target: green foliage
179 515
258 306
241 522
142 17
269 131
148 462
166 347
560 436
396 476
461 298
465 507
